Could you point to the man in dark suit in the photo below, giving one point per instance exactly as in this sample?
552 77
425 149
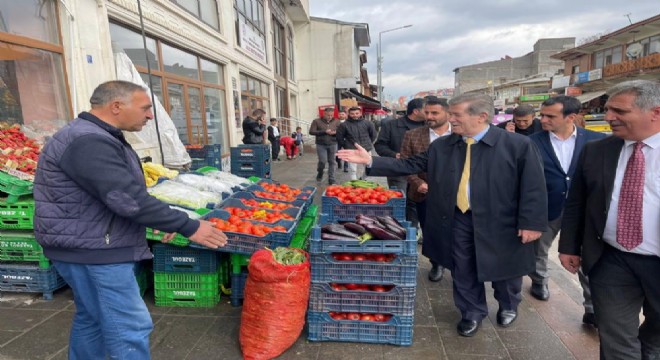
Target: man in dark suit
523 122
488 202
611 227
417 141
560 145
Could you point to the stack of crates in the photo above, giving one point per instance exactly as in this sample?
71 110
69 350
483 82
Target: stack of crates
362 292
304 229
205 155
251 160
23 266
187 277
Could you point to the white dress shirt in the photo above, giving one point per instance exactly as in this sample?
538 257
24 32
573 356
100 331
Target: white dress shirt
434 136
651 207
564 148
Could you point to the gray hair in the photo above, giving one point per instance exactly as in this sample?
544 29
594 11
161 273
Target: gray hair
477 104
112 91
647 92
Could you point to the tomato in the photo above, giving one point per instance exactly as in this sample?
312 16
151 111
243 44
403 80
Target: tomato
353 316
352 286
338 287
382 199
378 288
359 257
366 317
379 317
379 258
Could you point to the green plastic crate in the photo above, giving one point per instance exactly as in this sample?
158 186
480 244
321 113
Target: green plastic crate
300 242
254 179
179 240
18 215
238 261
312 212
22 246
305 226
14 187
187 289
206 169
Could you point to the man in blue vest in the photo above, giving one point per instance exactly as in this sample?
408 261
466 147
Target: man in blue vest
92 208
560 145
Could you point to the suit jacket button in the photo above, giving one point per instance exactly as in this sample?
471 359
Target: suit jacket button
568 178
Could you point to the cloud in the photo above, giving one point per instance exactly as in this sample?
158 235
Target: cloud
451 33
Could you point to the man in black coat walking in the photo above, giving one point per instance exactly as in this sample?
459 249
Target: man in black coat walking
254 127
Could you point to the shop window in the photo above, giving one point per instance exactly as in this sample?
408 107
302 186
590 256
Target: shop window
607 57
179 62
30 18
156 86
250 12
290 51
212 72
575 69
132 44
216 121
650 45
254 95
205 10
278 48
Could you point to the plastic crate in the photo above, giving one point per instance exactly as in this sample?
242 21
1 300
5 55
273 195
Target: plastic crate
307 193
305 226
299 242
21 246
338 211
141 277
250 196
238 288
397 331
17 215
263 173
186 289
259 152
238 262
398 301
294 212
312 211
178 240
31 279
177 259
406 247
400 271
204 151
14 187
248 244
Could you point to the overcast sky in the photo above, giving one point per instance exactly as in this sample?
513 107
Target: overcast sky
450 33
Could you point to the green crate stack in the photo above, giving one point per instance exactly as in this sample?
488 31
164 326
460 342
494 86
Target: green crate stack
13 189
21 246
304 229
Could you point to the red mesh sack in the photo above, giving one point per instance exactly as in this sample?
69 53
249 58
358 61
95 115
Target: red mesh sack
274 305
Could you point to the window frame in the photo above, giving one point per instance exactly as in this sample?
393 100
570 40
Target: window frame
199 16
257 23
290 55
279 56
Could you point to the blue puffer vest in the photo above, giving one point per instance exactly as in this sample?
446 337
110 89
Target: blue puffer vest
69 223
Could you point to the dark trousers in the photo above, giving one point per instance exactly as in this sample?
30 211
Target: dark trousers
622 284
275 148
420 216
469 292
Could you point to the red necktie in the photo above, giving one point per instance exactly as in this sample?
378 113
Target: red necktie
631 197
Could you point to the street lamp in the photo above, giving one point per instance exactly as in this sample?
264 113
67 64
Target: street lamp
379 60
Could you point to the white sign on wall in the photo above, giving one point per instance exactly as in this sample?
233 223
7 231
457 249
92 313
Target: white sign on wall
252 42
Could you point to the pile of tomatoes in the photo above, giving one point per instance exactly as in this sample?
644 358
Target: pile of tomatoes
258 214
363 257
17 151
235 224
361 287
266 204
282 192
360 316
356 195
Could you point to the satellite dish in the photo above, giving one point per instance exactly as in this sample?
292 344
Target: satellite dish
634 50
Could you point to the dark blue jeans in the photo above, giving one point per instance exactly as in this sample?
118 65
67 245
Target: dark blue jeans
111 318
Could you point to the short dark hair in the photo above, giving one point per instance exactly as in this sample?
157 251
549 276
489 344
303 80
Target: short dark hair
298 128
258 112
570 105
414 104
432 100
273 119
114 90
354 108
524 110
329 109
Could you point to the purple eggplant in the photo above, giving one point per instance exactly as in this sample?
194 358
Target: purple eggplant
329 236
339 230
380 233
356 228
392 226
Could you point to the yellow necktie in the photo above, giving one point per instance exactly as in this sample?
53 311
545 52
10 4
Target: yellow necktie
462 196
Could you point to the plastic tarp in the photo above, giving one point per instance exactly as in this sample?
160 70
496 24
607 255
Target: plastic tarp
174 153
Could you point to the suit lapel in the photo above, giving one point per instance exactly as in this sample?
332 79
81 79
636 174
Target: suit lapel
611 155
580 140
547 147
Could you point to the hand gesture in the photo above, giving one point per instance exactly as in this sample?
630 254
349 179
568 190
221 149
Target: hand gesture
511 126
166 238
570 262
423 189
358 156
528 235
209 236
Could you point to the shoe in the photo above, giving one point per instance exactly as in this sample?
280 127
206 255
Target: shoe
345 170
589 318
467 328
331 182
278 159
436 273
289 157
540 291
318 179
506 317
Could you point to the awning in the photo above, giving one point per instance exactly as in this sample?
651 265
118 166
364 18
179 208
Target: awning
363 100
586 97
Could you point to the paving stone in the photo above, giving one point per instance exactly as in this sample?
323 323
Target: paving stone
538 345
475 357
350 351
485 342
23 320
42 341
175 336
6 335
423 310
221 337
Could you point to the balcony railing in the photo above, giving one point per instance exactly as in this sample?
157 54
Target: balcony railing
645 63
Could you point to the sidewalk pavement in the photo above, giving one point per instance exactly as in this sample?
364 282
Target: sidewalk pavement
31 328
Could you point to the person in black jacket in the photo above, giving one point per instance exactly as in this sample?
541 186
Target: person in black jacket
254 127
523 122
274 138
356 130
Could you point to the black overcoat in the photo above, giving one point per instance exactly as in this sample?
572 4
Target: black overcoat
507 193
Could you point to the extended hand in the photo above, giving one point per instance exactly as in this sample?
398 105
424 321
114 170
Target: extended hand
423 189
167 237
570 262
528 235
510 126
209 236
358 156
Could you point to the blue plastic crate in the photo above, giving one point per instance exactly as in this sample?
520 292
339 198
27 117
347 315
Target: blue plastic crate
400 300
338 211
397 331
400 271
213 150
169 258
307 193
238 288
31 279
250 196
294 212
406 247
203 162
265 173
247 244
259 152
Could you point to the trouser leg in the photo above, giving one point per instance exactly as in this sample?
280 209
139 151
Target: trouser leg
586 292
322 154
331 153
507 293
541 248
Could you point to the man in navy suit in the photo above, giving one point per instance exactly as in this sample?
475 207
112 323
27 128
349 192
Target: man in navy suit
560 145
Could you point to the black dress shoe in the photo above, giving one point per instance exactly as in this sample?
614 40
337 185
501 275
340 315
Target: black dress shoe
436 273
506 317
540 291
467 328
589 318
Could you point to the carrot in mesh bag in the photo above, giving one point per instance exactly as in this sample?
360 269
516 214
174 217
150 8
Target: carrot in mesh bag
275 302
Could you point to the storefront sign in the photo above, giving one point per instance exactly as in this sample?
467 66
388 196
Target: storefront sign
572 91
252 42
595 74
560 81
540 97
